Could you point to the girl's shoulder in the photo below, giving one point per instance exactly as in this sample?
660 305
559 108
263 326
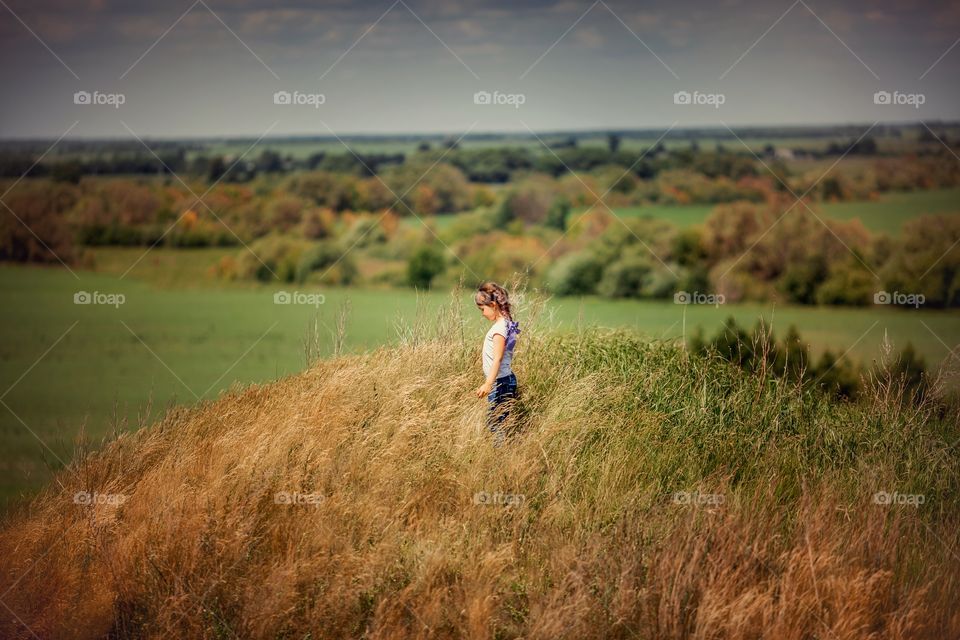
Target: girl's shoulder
499 326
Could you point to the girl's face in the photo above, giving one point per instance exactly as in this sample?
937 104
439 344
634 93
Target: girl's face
489 311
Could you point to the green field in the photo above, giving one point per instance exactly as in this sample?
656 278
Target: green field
886 214
891 210
680 215
67 368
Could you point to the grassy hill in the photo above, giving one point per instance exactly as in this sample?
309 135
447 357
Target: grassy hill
646 493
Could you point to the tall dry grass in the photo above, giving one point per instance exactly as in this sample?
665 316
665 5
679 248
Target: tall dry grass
775 536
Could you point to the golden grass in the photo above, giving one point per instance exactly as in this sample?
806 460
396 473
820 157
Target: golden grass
393 448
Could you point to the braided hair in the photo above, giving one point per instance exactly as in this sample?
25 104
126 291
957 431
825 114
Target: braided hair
492 293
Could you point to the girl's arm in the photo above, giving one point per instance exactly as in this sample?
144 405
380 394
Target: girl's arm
499 346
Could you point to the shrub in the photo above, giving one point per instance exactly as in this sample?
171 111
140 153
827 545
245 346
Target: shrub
272 257
627 277
425 264
498 255
927 261
575 274
529 201
317 224
336 191
330 257
558 213
848 284
801 279
33 223
364 232
285 212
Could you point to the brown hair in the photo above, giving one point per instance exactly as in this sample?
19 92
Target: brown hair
492 293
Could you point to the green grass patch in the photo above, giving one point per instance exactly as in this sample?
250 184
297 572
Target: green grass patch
886 214
891 210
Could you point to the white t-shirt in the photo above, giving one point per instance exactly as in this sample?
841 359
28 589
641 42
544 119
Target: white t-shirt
500 326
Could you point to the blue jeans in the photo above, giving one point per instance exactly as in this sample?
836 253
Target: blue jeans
504 389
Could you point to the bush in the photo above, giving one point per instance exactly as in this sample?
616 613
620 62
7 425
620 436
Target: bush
927 261
558 213
425 264
338 192
285 213
498 255
801 279
575 274
317 224
759 350
627 277
848 284
336 263
530 201
366 231
272 258
36 230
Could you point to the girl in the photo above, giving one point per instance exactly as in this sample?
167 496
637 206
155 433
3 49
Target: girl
498 345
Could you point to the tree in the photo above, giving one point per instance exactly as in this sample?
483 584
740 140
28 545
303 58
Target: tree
575 274
558 213
425 264
337 265
37 232
270 162
625 278
216 168
613 142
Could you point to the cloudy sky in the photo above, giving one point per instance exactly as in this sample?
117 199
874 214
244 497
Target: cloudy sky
212 67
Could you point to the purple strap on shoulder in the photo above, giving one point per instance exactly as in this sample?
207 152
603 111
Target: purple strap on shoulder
513 330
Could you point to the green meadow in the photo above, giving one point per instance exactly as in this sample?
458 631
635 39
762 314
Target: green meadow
886 214
889 211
